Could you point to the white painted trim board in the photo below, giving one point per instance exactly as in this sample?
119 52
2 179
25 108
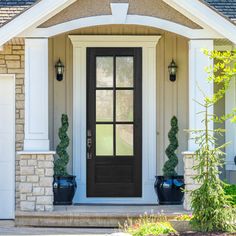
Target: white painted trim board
148 45
7 209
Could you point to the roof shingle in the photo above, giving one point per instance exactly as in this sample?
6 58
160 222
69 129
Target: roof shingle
226 7
11 8
14 3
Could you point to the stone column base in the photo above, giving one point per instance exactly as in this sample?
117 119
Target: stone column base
36 178
189 174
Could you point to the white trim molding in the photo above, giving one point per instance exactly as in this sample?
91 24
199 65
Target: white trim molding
198 85
119 12
213 24
32 18
129 20
8 159
36 95
148 45
205 16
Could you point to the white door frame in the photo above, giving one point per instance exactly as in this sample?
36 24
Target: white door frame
10 196
148 45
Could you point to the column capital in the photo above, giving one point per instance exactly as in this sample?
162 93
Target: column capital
202 43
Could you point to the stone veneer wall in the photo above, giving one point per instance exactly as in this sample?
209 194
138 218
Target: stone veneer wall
189 174
12 62
36 182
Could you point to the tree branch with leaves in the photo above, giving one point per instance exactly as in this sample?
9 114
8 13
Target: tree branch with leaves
212 209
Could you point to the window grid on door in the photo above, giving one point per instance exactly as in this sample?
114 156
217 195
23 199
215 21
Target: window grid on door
117 124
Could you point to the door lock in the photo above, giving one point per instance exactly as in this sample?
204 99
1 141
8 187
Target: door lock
89 145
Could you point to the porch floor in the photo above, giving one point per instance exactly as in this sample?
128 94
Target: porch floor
121 210
94 215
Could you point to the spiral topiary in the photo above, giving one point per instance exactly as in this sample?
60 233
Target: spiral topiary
63 157
169 166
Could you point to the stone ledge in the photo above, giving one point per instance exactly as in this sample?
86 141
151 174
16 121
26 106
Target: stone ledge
188 153
36 153
189 174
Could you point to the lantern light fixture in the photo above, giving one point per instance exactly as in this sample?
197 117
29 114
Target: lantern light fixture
172 70
59 70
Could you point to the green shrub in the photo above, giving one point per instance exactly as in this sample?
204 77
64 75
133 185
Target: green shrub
152 229
148 225
170 165
184 217
60 165
230 190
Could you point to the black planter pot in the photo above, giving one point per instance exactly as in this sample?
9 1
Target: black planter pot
170 190
64 190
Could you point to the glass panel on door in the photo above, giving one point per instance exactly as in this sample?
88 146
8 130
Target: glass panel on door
124 105
124 71
104 70
104 140
104 105
124 140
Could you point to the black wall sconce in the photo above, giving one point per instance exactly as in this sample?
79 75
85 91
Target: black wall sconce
59 70
172 70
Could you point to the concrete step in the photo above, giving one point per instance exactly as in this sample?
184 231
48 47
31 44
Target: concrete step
93 216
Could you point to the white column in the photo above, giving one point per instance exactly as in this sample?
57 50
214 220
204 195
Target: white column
230 134
198 84
36 95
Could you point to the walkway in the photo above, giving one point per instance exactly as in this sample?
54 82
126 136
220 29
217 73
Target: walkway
7 228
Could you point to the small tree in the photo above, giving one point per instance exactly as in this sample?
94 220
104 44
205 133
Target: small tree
212 209
60 165
170 165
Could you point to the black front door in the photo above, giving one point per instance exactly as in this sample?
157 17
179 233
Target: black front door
114 122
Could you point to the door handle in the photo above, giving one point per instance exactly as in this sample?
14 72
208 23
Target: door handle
89 145
89 142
